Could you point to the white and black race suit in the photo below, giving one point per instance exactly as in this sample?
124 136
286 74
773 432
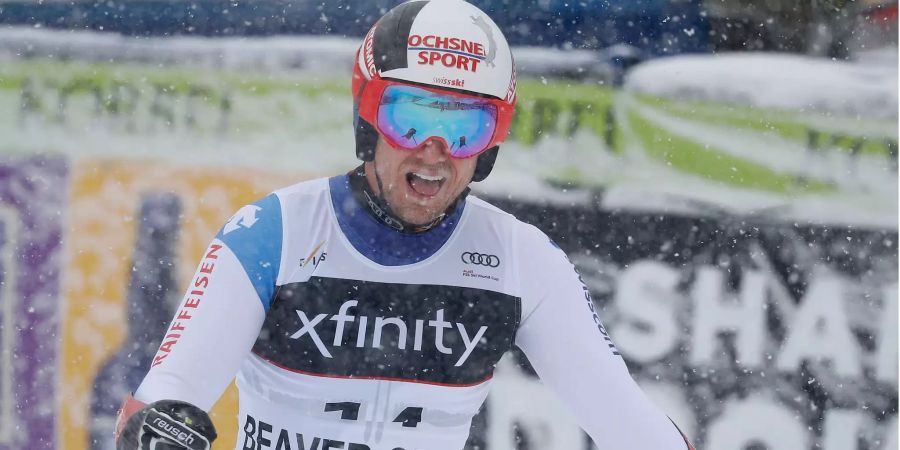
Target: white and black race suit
346 334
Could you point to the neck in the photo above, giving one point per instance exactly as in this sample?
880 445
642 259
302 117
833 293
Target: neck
377 241
361 183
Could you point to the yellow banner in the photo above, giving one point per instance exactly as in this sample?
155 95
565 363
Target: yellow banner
100 239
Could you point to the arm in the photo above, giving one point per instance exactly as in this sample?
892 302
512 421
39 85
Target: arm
212 332
223 309
569 348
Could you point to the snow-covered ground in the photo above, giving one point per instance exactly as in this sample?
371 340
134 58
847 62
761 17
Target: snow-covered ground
857 98
865 88
326 53
866 185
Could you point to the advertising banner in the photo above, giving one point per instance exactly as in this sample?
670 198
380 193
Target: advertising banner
640 152
135 233
746 332
32 210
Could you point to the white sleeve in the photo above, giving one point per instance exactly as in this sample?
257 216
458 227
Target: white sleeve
569 348
214 329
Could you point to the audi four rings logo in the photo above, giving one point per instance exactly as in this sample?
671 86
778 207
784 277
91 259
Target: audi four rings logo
480 259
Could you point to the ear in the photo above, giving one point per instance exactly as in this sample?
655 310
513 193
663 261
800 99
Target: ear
366 139
485 163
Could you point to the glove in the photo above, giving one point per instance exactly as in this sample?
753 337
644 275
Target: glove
163 425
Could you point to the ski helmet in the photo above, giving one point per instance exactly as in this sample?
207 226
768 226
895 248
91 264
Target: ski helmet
439 45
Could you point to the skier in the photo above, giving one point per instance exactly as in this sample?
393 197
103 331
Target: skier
368 310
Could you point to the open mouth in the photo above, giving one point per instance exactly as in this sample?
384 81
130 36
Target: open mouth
424 185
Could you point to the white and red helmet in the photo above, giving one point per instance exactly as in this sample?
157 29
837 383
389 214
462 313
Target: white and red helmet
447 45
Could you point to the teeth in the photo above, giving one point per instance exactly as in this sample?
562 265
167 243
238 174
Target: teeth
428 178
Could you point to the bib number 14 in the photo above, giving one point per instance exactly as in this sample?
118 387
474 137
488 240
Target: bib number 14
409 417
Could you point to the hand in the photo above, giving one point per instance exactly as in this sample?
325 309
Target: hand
164 425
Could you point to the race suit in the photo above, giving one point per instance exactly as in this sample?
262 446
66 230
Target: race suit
345 333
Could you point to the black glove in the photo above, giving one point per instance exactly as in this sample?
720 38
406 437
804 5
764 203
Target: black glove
167 425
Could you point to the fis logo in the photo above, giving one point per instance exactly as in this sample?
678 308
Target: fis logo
314 257
369 332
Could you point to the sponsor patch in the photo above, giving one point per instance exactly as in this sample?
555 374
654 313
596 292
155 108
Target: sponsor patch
369 54
444 335
480 259
171 429
450 52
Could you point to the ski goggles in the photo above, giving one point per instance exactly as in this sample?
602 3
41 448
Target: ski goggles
409 116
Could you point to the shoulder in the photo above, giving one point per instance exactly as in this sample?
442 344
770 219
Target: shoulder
525 235
541 268
264 221
255 234
268 211
304 201
483 211
302 188
258 227
527 241
260 219
483 207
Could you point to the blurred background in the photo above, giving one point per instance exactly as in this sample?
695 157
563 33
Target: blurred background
723 173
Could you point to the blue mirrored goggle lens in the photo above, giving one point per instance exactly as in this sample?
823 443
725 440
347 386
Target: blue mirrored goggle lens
409 116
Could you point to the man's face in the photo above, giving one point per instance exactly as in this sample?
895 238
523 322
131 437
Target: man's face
419 185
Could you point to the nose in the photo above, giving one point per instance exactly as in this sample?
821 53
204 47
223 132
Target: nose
434 151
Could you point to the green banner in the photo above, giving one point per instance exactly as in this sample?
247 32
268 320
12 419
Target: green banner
641 152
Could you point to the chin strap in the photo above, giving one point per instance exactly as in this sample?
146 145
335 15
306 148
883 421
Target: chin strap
380 210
